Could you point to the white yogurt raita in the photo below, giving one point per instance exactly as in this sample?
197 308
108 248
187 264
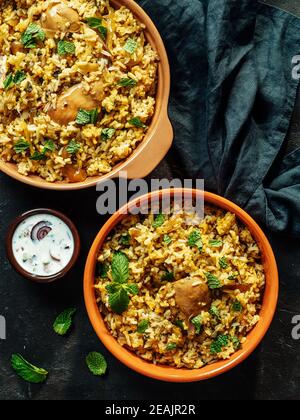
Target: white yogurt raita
43 245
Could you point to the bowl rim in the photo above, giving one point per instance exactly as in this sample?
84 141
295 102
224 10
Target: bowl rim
160 119
170 374
10 254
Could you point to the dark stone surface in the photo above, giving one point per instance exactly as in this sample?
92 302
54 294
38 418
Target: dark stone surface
272 372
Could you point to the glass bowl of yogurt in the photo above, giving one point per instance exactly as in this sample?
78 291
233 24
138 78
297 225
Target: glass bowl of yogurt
43 245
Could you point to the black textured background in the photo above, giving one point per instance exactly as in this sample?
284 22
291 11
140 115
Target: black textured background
272 372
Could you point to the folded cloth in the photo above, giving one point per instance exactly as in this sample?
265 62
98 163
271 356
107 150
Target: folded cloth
233 95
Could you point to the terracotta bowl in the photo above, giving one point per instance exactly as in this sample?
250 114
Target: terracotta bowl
168 373
159 136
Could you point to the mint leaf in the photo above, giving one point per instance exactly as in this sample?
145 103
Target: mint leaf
237 306
130 46
83 117
143 326
73 147
214 311
65 47
118 298
167 239
33 34
127 82
119 290
218 344
87 117
168 276
215 243
103 32
197 322
195 239
213 281
19 77
171 346
223 263
107 133
21 146
125 239
119 301
63 322
236 342
49 146
102 270
96 363
179 323
120 267
136 121
96 23
27 371
38 156
113 288
159 220
132 289
9 81
94 116
14 79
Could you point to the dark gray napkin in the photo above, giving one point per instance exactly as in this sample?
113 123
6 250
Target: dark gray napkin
232 99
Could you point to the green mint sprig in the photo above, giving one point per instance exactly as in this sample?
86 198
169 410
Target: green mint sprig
63 322
130 46
21 146
96 23
219 343
213 281
14 79
195 239
49 146
85 117
33 34
96 363
27 371
136 122
159 220
197 322
119 290
143 326
65 48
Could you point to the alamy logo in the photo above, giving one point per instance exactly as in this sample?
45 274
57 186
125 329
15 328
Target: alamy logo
114 195
296 67
296 329
2 328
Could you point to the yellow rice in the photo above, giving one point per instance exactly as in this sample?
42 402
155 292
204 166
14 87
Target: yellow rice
151 257
24 107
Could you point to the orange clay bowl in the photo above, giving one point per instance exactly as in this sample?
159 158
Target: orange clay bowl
171 374
159 136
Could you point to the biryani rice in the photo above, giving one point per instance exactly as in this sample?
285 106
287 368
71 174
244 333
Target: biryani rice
170 338
24 107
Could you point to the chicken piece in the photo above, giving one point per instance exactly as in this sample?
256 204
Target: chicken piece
60 18
69 103
192 296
